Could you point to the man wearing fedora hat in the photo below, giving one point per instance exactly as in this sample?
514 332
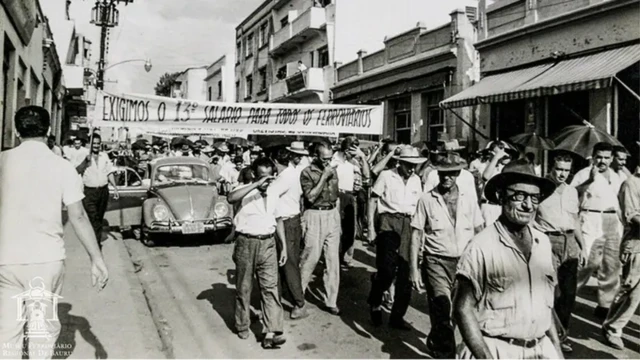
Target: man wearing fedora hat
503 301
447 216
287 187
394 195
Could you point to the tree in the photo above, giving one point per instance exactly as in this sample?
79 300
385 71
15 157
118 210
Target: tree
163 87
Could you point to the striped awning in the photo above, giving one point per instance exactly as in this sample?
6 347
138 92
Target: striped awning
589 72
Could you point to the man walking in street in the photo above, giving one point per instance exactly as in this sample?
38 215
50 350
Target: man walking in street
449 216
287 187
619 163
321 221
627 299
598 186
255 254
503 301
34 185
394 195
76 153
96 176
557 217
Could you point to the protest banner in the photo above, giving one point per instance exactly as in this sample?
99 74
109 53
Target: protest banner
150 111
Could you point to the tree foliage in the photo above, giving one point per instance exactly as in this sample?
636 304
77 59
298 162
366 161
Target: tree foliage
163 86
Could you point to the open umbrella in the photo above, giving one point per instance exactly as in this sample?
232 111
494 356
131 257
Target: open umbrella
580 139
533 140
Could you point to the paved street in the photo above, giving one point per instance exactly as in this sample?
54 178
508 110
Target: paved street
191 292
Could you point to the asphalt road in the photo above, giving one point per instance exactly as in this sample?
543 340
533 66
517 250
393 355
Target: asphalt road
190 288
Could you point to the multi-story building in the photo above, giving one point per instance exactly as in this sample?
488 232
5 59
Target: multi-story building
411 75
190 84
220 82
547 64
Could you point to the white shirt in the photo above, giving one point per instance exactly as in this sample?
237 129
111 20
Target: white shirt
478 165
287 186
256 215
600 194
345 170
229 172
466 182
394 196
76 156
96 174
34 184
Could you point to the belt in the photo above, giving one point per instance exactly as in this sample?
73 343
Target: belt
259 237
599 211
559 233
95 188
328 207
520 342
289 217
397 215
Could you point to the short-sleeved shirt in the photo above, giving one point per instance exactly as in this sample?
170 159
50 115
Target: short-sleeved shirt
76 156
287 186
96 174
446 236
465 182
346 171
558 212
630 205
394 196
256 214
309 178
601 194
34 184
514 296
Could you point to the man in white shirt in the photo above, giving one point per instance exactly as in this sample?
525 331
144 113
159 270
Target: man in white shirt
34 185
598 186
77 153
96 176
255 253
287 187
465 180
346 160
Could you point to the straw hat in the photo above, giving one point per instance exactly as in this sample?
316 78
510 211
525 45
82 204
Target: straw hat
453 162
411 155
519 171
447 146
223 147
297 147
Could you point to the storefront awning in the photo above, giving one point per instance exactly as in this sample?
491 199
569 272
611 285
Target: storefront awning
583 73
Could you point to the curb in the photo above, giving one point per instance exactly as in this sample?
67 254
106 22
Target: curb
145 278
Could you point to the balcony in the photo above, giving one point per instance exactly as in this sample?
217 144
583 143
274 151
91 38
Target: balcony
298 85
298 31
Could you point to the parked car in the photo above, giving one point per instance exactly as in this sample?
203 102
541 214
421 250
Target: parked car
178 197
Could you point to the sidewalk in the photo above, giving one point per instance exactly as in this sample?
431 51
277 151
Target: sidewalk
113 323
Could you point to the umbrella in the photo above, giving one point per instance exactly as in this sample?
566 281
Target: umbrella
580 139
238 141
533 140
286 140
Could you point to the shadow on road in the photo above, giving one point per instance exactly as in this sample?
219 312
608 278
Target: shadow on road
66 343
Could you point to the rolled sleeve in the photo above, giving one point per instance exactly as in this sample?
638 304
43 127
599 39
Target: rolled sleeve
380 185
419 219
73 188
306 182
471 266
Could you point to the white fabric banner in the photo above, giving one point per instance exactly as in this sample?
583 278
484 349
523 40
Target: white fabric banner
150 111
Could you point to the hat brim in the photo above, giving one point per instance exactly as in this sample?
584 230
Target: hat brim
547 187
298 151
411 160
451 168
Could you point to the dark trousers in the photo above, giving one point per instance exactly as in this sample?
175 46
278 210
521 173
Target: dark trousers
348 224
361 212
394 229
290 282
439 273
566 253
95 204
257 257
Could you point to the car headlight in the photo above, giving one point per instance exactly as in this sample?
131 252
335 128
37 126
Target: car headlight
161 212
221 209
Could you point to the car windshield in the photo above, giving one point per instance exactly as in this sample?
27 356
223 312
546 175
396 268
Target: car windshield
170 174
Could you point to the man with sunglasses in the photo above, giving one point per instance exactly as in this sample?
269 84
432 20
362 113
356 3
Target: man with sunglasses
503 301
321 224
449 216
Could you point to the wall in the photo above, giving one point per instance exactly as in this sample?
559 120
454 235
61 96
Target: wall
222 70
196 85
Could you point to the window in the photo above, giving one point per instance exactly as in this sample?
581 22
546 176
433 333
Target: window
262 78
435 116
284 21
248 51
323 57
402 119
282 73
209 94
248 90
312 58
237 91
220 89
238 51
264 34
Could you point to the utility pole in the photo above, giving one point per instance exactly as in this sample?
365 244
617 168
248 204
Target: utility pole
105 15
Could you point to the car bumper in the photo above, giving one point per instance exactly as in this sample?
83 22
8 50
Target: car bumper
165 227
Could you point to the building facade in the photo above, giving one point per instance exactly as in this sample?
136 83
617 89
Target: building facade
220 80
190 84
411 75
548 64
